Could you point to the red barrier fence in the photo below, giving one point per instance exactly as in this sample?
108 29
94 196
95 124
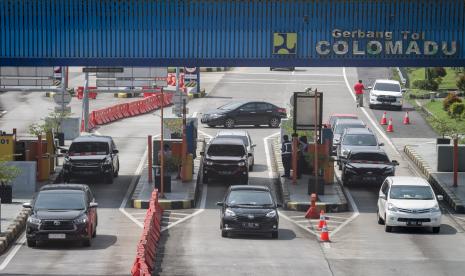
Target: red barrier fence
116 112
80 92
147 246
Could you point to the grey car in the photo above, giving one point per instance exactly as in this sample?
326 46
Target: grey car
356 138
339 127
245 137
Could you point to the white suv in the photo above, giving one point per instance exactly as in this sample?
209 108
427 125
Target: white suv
386 92
408 202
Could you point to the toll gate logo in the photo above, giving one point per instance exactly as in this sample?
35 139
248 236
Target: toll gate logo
284 43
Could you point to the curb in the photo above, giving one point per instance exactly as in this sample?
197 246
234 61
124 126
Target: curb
14 230
303 206
449 196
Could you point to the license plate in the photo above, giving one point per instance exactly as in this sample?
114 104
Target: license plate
57 236
370 178
225 172
250 225
414 223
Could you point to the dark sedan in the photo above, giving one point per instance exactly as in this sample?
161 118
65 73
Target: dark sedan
367 166
255 113
249 209
62 212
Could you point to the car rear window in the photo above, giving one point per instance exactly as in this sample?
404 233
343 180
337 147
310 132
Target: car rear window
243 138
387 87
369 156
66 200
341 127
226 150
91 148
411 192
249 197
359 140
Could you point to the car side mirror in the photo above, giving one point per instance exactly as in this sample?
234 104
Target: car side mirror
27 205
395 163
115 151
202 153
440 197
381 144
382 196
253 146
219 203
63 151
93 205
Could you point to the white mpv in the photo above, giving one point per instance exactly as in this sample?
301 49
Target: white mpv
408 202
386 93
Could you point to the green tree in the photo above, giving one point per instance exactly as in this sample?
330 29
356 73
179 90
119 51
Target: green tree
461 82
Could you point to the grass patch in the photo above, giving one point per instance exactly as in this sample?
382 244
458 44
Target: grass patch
448 82
436 109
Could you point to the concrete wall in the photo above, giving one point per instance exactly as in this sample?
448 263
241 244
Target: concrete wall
445 158
25 184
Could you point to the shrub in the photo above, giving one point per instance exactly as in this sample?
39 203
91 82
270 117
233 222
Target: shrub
456 109
439 72
449 100
431 85
461 82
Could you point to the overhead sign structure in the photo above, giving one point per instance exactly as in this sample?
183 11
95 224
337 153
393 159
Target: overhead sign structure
134 77
304 110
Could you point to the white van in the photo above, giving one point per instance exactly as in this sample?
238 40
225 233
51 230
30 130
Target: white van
386 93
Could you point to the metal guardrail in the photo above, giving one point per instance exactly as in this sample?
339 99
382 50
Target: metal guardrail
403 80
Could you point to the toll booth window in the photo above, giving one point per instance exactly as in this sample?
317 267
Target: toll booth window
89 148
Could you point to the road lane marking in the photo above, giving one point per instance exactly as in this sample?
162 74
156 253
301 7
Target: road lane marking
278 83
306 228
279 74
327 245
284 80
354 215
268 156
375 124
13 252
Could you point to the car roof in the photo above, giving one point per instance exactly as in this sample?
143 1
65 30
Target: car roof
249 187
358 131
387 81
81 187
344 121
408 180
93 138
229 141
238 132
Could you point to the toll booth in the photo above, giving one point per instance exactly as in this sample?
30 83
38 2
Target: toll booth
172 129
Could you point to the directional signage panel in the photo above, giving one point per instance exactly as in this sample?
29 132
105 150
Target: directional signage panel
134 77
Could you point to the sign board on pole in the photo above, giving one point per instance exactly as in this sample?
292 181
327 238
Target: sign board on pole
304 110
190 73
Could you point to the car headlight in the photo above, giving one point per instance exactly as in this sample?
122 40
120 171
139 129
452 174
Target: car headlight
81 220
67 160
241 164
391 207
271 214
34 220
389 170
229 213
215 115
345 152
107 161
436 209
209 163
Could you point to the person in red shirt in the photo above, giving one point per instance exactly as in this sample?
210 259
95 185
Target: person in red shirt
358 88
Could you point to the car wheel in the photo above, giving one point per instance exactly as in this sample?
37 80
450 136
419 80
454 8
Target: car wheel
224 233
339 166
87 242
436 229
345 180
274 234
271 68
387 228
31 243
251 168
371 106
205 179
117 171
94 234
274 122
109 178
380 220
244 180
229 123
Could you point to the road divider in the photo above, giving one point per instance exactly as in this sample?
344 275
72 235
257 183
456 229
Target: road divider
147 246
120 111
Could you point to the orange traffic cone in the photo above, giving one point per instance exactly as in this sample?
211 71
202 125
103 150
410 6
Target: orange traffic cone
322 220
324 236
406 119
390 128
383 119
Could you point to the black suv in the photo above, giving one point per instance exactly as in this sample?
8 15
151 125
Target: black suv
249 209
225 157
367 166
253 113
91 155
62 212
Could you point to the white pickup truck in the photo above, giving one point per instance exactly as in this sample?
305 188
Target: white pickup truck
386 93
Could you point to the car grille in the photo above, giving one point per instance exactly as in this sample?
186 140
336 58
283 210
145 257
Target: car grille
86 163
57 225
409 219
414 211
386 99
245 218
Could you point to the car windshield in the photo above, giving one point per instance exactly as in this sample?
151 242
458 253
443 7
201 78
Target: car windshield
89 148
411 192
226 150
369 156
341 127
359 140
249 197
73 200
387 87
243 138
230 106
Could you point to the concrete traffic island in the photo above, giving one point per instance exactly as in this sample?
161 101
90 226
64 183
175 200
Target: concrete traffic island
296 197
425 158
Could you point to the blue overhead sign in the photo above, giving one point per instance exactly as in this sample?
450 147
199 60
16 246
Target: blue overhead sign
232 33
